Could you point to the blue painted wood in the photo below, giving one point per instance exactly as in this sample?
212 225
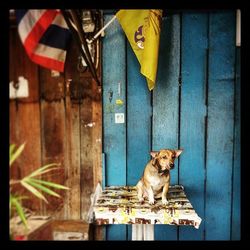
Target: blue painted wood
103 171
223 126
166 103
104 185
139 111
220 125
193 112
114 133
236 208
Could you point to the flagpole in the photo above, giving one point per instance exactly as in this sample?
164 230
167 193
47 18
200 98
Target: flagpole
102 29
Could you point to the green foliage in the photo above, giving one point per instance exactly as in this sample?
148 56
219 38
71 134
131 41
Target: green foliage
33 185
14 155
14 201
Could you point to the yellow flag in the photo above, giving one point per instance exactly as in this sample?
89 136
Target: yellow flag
142 28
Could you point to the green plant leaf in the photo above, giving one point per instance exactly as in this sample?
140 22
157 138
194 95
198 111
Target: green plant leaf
33 190
12 147
41 187
19 209
50 184
43 170
46 171
14 155
21 197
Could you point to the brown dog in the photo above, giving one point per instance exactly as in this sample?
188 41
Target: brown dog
156 176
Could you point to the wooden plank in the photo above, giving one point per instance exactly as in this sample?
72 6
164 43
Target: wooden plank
39 228
53 138
53 150
236 209
220 125
238 28
72 196
166 102
97 133
14 138
24 116
103 186
25 127
193 112
114 133
72 208
21 65
138 122
72 226
97 146
103 171
86 153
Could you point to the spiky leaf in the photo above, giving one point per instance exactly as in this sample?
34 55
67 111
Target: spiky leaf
50 184
14 201
12 147
42 188
33 190
43 170
14 155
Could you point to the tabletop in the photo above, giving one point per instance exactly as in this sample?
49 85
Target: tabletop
120 205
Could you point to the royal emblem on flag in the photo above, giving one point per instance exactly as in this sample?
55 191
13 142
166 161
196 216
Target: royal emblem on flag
142 28
139 38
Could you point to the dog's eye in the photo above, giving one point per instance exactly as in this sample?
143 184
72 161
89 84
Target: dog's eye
164 157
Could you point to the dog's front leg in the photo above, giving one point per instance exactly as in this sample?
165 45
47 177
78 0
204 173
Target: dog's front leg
139 187
151 199
164 194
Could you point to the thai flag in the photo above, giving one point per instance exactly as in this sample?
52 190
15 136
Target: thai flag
45 36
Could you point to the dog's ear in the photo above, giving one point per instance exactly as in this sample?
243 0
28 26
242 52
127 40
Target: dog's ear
178 152
154 153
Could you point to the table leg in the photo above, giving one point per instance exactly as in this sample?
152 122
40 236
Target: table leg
148 231
137 232
142 232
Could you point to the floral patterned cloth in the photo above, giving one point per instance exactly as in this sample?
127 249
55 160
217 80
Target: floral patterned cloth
120 205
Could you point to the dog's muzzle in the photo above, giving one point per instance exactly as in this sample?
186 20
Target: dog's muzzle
171 166
164 172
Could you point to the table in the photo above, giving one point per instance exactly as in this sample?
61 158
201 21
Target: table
120 205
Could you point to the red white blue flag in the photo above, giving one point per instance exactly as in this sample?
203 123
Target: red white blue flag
45 36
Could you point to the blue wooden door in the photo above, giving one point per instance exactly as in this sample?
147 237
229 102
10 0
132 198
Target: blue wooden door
195 106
